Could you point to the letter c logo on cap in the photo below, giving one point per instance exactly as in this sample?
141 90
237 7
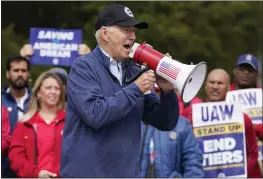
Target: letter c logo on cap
128 12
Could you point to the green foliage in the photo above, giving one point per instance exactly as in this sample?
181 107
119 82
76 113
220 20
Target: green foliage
215 32
11 44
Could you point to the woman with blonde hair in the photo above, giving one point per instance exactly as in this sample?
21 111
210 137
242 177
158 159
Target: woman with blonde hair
36 142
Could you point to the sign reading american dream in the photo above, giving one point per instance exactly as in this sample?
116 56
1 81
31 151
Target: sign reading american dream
251 102
55 46
219 128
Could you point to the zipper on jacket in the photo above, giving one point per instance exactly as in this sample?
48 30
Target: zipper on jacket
126 68
113 76
108 69
36 148
54 139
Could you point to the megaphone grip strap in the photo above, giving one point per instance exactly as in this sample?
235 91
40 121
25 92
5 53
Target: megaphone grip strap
137 75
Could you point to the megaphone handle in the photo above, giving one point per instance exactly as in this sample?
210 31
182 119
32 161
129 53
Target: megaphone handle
143 67
137 75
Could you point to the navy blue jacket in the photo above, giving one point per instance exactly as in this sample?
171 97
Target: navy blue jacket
177 153
10 104
102 130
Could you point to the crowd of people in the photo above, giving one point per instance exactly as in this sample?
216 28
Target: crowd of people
92 123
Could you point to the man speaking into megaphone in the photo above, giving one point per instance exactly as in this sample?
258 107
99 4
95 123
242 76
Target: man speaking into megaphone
101 137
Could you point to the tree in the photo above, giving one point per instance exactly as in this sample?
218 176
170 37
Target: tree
214 32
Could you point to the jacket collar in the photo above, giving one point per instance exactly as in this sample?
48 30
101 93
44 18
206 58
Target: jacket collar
101 57
10 96
5 90
61 115
104 60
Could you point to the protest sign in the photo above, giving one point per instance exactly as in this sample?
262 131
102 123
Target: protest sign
219 128
251 102
55 46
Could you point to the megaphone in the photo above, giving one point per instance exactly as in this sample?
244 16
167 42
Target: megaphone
188 79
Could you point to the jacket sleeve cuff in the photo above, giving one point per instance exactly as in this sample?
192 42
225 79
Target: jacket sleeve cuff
134 89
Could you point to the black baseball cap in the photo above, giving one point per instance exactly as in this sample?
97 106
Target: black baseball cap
118 15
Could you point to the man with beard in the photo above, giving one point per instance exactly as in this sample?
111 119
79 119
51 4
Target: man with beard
16 97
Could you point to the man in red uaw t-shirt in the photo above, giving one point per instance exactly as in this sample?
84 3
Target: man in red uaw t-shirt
216 86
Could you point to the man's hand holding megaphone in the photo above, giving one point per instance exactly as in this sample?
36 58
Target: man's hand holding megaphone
147 80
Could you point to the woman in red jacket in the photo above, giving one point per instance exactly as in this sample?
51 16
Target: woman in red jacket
36 142
5 140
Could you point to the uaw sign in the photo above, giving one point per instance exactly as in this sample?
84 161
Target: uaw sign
219 128
55 46
251 102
